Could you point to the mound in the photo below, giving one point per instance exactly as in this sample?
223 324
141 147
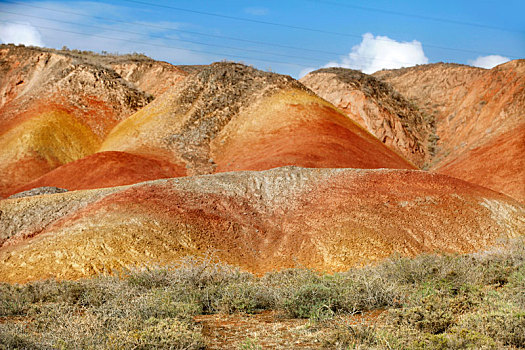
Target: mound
106 169
376 106
55 109
327 219
475 110
228 116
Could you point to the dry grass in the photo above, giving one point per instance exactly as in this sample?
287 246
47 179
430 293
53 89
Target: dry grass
430 302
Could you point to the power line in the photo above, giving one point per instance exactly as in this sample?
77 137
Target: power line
183 40
160 45
428 18
250 20
182 48
242 19
200 43
291 26
177 30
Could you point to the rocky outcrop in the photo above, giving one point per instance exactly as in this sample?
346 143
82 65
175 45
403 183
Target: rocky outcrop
326 219
153 77
35 80
377 107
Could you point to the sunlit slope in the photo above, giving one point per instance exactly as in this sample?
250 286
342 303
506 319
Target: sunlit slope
328 219
55 109
106 169
229 116
153 77
40 144
498 164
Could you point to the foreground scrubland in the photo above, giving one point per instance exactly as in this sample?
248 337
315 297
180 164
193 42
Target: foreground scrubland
429 302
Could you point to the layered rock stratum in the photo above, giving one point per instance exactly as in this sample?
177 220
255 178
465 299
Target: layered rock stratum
326 219
153 77
230 117
479 117
105 169
376 106
55 109
101 177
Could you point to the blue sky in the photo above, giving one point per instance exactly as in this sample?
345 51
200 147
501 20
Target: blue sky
289 37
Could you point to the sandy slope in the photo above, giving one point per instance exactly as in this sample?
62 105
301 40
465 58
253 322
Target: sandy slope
326 219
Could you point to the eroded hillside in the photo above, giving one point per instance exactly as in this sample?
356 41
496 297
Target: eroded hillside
228 116
55 109
327 219
479 113
376 106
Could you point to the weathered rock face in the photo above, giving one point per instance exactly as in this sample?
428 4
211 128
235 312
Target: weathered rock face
328 219
153 77
55 109
478 113
228 116
376 106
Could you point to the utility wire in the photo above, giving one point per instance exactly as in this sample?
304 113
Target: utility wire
428 18
242 19
169 39
200 43
177 30
238 39
160 45
290 26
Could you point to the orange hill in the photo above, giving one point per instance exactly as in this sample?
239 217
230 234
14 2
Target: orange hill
228 116
153 77
328 219
106 169
376 106
499 164
55 109
478 114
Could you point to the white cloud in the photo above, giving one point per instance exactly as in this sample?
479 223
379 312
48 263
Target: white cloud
488 61
381 52
18 33
156 39
256 11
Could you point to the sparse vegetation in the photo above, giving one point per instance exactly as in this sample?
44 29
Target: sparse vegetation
474 301
91 57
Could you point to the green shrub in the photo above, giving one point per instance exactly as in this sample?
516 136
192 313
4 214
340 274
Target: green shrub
504 326
356 336
246 297
313 300
474 301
